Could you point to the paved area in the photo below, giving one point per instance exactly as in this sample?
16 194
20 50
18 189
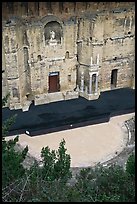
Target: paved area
74 113
86 145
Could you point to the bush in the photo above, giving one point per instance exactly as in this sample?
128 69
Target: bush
102 184
12 168
130 166
56 164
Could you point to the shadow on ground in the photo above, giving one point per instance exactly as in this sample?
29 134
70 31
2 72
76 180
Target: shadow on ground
70 114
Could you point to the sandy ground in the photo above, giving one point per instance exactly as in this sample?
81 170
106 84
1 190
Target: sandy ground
86 145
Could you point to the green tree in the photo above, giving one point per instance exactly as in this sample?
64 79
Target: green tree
56 164
11 160
111 184
130 165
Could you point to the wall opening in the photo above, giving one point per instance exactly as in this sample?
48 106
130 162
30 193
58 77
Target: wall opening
69 78
114 78
67 55
66 10
39 58
53 32
29 96
15 92
93 83
54 85
115 58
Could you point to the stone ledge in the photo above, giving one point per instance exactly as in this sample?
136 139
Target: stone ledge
89 96
53 97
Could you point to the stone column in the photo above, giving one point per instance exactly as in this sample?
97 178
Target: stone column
82 82
91 61
96 88
130 25
98 59
90 83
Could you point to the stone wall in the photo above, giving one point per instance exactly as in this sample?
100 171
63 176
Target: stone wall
75 39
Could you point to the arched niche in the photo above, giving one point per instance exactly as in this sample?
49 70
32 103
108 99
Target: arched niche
53 32
94 78
15 92
67 55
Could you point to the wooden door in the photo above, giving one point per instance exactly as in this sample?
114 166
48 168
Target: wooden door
53 83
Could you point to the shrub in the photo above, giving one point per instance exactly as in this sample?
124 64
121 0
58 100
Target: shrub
56 163
130 165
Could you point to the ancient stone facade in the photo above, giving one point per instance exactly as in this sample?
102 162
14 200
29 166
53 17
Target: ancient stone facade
54 51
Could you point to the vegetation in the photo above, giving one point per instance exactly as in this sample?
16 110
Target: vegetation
49 182
130 166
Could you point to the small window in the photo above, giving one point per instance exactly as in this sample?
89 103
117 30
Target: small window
67 55
39 58
29 97
66 10
115 58
129 33
69 78
15 92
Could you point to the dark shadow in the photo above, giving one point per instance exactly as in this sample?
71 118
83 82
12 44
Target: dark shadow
79 112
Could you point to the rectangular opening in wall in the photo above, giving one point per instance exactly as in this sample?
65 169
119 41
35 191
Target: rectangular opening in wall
54 82
114 78
69 78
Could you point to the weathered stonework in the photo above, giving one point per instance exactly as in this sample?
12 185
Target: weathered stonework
54 51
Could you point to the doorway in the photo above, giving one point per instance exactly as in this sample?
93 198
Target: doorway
93 83
114 78
54 82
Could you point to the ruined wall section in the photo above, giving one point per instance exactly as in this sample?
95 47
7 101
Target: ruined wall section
11 63
88 29
98 43
90 44
62 9
84 41
4 74
45 58
16 54
118 49
36 59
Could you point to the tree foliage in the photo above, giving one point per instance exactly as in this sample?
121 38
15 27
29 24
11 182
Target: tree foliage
102 184
130 165
12 168
56 164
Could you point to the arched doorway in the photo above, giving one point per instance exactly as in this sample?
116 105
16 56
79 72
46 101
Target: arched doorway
93 83
114 78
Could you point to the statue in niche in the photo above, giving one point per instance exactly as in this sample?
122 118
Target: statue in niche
52 40
52 35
